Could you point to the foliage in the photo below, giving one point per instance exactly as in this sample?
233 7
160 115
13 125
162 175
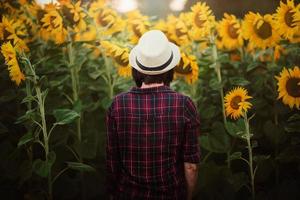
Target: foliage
69 60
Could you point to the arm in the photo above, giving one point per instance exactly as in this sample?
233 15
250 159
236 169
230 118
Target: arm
112 154
191 156
191 175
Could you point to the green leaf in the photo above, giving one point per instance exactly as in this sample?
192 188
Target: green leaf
235 156
214 84
65 116
28 137
77 106
252 66
295 117
40 167
29 98
30 114
106 102
217 140
80 167
236 129
293 124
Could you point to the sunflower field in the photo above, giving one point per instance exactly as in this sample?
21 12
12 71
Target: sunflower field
62 63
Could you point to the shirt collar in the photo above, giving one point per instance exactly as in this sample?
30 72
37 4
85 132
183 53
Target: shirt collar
163 88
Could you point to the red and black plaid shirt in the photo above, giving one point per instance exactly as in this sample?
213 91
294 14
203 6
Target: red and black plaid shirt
151 132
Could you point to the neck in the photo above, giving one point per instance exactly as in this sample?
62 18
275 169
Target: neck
151 85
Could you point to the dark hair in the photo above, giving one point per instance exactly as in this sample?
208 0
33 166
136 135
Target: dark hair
165 78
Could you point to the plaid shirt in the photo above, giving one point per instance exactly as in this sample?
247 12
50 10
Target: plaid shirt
151 132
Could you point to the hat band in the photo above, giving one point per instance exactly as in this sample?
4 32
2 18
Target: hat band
158 68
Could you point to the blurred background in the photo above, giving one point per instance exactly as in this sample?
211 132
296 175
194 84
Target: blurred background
163 8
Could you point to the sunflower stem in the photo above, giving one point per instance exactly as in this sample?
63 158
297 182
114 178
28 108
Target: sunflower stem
248 138
74 71
110 80
41 105
219 76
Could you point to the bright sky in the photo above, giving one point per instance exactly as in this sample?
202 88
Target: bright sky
45 1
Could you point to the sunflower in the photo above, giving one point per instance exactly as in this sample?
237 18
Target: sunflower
161 25
1 31
287 19
289 87
10 56
52 25
230 31
120 56
138 24
96 6
88 35
295 38
14 30
219 42
109 21
202 20
187 68
74 13
260 30
178 31
235 102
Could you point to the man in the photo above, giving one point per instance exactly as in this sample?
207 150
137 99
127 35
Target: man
152 147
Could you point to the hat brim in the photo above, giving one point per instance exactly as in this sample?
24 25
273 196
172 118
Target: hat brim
176 59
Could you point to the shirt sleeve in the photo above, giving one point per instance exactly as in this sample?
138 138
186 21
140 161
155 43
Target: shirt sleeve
112 154
191 152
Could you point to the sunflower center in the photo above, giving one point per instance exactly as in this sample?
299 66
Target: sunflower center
6 33
136 30
293 87
232 31
103 20
53 25
264 31
199 23
123 63
68 14
288 18
180 32
186 70
234 103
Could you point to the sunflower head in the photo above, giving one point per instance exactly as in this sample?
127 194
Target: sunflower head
75 15
138 24
201 20
96 6
187 68
260 30
178 31
88 35
236 102
10 55
120 56
53 26
109 21
288 19
289 87
230 31
14 31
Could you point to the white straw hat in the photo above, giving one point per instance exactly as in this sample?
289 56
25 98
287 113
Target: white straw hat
154 54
